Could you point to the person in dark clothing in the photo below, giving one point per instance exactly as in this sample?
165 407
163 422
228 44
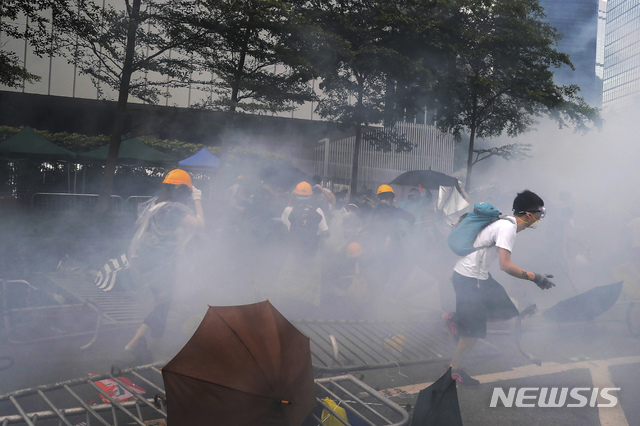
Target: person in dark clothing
164 224
383 243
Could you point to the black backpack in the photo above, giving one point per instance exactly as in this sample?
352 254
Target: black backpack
304 231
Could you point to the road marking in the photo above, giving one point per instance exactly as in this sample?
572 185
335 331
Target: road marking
529 370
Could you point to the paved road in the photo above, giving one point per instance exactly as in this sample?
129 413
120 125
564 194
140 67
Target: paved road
596 354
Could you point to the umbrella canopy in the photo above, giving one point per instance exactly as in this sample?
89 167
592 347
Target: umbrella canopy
202 159
28 144
585 306
438 404
428 179
285 178
132 151
244 365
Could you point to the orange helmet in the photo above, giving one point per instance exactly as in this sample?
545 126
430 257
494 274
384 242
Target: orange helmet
384 188
303 188
178 177
354 249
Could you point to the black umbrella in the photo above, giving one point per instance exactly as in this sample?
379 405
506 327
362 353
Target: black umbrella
428 179
585 306
438 404
286 177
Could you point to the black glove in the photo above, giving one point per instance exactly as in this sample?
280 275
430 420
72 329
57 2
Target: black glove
542 281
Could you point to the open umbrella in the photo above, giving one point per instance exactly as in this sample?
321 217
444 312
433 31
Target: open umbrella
428 179
244 365
438 404
285 177
585 306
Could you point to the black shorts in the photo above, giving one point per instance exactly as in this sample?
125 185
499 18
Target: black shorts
479 301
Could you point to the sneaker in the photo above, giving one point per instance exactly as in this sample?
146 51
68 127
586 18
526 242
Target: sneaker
452 327
463 378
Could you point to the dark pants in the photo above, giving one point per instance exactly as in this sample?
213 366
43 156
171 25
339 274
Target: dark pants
478 301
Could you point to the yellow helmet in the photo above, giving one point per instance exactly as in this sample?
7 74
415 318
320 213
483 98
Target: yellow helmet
384 188
303 188
178 177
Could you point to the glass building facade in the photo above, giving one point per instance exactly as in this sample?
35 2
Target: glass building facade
622 55
577 21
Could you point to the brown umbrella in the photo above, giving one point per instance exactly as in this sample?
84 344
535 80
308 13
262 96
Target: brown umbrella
244 365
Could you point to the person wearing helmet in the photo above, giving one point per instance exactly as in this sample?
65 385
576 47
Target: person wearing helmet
383 242
164 224
298 284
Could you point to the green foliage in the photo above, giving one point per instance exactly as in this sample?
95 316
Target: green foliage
254 56
501 79
118 46
13 17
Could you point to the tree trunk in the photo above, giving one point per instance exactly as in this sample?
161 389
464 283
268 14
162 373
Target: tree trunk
472 137
354 163
106 189
358 141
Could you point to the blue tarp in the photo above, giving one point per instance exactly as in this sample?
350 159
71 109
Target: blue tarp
202 159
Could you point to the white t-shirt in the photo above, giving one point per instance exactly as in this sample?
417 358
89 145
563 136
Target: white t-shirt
500 234
322 226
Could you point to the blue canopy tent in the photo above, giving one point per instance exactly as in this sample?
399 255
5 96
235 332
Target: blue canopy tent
201 165
201 160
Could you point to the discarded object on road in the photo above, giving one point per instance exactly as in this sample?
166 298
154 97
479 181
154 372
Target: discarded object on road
438 404
585 306
244 365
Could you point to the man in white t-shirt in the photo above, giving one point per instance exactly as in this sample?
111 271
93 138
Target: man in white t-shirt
478 296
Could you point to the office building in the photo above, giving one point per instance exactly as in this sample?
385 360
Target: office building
622 55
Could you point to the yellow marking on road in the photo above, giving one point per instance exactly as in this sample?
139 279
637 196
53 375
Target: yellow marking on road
522 372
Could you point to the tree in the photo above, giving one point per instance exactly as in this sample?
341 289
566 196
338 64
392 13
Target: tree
353 63
501 79
35 32
122 48
254 56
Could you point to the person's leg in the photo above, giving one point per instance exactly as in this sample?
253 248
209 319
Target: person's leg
140 333
465 345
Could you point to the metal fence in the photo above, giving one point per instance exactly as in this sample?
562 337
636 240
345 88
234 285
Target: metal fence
433 150
341 400
60 201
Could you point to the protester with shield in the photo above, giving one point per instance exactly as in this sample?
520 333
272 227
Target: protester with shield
478 296
165 223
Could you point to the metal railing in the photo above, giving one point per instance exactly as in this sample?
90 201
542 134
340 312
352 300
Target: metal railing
83 400
60 201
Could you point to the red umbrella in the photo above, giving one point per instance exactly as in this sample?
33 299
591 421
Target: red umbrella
244 365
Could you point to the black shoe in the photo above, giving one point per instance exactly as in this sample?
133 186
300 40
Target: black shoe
463 378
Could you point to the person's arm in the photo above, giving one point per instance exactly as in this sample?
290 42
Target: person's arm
196 221
331 199
541 280
511 268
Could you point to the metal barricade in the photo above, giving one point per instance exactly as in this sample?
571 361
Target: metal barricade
85 401
340 346
32 315
49 202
